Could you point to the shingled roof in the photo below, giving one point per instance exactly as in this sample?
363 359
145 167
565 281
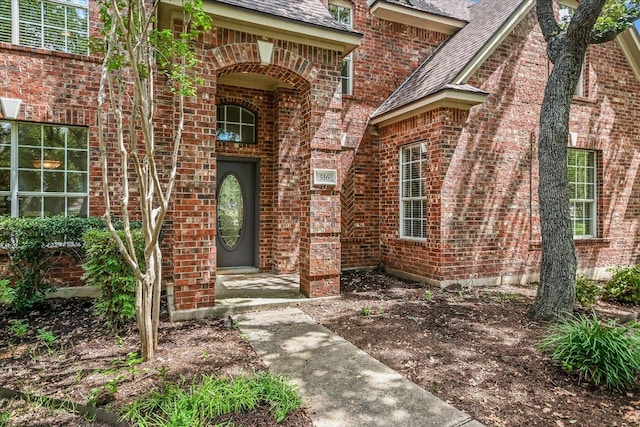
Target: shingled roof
440 70
304 11
456 9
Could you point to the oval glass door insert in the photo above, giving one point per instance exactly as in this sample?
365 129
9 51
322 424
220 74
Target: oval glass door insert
230 211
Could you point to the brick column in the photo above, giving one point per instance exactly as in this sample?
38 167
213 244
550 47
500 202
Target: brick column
194 207
320 220
286 247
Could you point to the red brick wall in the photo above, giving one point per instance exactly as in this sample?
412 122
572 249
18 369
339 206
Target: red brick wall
488 219
388 53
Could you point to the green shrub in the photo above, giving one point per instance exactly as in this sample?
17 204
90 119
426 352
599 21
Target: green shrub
587 291
29 244
105 267
601 353
624 285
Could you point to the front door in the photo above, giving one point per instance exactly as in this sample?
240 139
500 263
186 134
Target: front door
236 239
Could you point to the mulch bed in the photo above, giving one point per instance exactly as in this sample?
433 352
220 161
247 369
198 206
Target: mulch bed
85 348
474 349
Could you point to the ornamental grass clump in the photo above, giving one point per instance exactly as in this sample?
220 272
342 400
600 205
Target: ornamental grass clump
602 353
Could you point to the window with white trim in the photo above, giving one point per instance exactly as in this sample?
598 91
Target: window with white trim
61 25
413 197
235 124
44 170
581 167
343 12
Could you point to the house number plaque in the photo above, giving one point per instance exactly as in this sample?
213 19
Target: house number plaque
325 177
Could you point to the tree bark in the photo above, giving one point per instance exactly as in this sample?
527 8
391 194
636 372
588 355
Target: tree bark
556 292
566 50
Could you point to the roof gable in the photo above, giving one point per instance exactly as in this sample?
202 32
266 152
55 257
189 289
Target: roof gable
454 61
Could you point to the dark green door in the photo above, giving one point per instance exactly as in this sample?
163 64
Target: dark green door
237 230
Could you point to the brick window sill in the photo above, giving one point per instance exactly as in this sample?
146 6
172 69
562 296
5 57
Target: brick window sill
593 242
50 53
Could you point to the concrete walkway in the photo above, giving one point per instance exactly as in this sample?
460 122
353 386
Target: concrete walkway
340 384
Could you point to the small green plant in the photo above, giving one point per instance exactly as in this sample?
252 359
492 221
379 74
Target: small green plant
105 268
508 297
624 285
587 292
208 397
601 353
47 337
366 310
19 328
428 295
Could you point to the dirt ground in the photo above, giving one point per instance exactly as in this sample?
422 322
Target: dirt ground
85 350
474 349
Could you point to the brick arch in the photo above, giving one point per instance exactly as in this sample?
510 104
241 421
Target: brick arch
232 100
287 66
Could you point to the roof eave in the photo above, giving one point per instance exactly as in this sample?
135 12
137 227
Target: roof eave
409 16
446 98
263 24
629 41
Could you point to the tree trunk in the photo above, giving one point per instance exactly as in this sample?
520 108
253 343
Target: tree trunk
556 292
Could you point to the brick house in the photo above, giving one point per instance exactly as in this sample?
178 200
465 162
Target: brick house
331 135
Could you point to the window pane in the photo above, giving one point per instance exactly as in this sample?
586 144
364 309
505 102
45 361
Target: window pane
5 156
29 180
77 183
53 182
77 206
77 160
5 179
53 159
30 206
54 206
233 114
5 204
77 138
29 134
248 134
5 21
28 158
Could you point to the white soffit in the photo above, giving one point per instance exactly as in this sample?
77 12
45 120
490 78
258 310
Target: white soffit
445 98
413 17
629 41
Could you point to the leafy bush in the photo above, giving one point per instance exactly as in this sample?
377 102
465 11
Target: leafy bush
624 285
106 268
210 397
587 291
601 353
29 244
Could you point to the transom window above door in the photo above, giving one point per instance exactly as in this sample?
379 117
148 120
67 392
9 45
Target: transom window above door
236 124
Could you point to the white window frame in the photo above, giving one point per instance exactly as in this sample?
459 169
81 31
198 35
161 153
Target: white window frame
14 194
589 205
346 80
421 167
82 5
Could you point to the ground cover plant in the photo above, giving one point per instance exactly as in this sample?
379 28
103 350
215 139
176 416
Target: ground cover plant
599 352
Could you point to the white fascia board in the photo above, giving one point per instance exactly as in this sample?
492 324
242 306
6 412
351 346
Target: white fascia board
445 98
415 18
493 43
629 41
234 18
